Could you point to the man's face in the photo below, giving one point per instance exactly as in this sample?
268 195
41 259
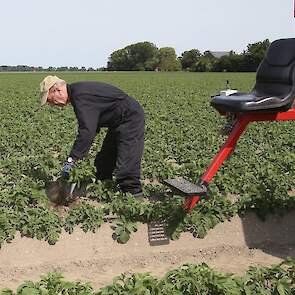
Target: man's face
58 95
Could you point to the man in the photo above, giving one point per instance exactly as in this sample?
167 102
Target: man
99 105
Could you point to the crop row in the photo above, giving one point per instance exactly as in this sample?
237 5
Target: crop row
187 279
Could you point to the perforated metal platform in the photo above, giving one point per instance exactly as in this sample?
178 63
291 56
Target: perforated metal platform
156 230
156 233
186 188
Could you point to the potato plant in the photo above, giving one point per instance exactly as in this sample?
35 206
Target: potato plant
189 279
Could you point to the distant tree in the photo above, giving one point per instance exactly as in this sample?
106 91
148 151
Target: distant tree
229 63
168 60
4 68
141 56
189 59
151 64
73 69
254 54
62 69
23 68
118 61
206 62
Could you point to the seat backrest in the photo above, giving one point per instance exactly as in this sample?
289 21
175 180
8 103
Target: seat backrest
276 73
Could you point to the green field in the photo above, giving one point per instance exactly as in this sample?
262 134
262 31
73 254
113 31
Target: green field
180 140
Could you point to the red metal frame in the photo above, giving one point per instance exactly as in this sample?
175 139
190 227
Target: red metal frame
243 119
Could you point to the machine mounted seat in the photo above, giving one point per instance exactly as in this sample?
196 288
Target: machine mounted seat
271 99
274 90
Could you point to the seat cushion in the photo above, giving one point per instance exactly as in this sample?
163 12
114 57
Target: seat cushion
249 102
274 90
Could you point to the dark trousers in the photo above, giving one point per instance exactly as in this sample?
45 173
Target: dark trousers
122 150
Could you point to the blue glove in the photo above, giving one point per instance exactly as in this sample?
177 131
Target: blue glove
68 165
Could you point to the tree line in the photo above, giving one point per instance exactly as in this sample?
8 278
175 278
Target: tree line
146 56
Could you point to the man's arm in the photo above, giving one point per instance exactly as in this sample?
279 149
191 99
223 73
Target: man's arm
88 118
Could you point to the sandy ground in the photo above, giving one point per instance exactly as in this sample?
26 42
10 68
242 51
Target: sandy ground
96 258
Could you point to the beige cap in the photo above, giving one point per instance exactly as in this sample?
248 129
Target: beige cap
45 85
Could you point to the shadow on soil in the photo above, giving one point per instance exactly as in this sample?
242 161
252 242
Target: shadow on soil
275 235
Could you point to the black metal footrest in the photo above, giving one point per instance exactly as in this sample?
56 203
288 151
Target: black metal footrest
186 188
156 233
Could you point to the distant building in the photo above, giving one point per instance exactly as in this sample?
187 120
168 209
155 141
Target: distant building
219 54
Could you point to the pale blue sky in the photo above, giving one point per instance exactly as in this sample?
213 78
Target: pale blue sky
85 33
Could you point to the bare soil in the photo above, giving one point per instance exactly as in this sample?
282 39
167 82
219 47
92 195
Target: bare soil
96 258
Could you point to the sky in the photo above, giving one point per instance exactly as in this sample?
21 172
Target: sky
86 32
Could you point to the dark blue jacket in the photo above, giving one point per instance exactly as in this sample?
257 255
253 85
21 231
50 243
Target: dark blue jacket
96 105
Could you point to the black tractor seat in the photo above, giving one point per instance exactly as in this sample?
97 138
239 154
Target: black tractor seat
251 102
274 90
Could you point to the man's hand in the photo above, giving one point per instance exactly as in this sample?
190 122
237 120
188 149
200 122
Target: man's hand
68 165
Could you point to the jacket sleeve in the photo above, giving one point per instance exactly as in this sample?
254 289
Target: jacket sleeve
88 118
